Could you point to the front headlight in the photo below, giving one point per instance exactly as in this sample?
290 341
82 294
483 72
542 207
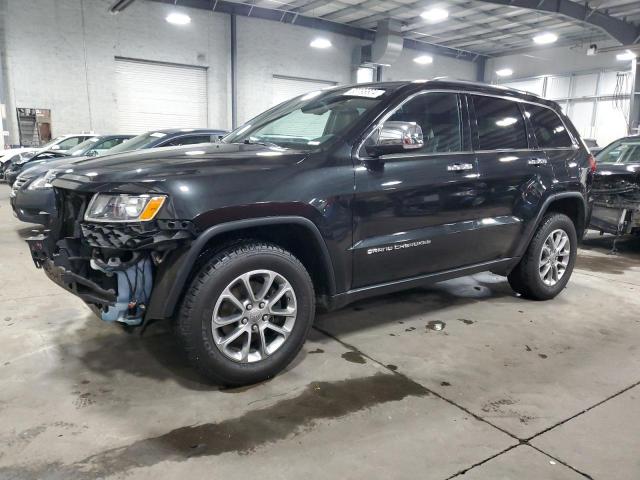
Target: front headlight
40 183
106 207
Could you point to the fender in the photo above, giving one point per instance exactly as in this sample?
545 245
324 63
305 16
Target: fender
533 225
172 279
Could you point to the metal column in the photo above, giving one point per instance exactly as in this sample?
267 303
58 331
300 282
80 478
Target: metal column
634 107
234 73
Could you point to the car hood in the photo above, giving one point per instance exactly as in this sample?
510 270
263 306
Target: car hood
152 167
59 164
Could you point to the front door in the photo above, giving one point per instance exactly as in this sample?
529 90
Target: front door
415 212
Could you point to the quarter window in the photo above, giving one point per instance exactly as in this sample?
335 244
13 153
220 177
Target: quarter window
548 128
439 117
500 124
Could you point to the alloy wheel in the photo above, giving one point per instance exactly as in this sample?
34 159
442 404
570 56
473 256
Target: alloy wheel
554 257
254 316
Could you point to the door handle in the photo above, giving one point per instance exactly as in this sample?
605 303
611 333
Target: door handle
459 167
537 161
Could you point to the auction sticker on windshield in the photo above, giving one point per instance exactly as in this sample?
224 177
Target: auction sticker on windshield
364 92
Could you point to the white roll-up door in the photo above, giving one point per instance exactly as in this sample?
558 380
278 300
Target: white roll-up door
285 88
153 96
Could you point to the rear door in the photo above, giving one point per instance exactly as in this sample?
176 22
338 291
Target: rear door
514 172
414 212
552 136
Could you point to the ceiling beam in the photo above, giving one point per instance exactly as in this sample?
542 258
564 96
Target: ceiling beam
624 32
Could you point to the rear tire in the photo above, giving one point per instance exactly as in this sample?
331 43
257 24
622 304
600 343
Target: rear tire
548 262
246 314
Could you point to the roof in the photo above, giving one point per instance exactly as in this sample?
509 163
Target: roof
462 85
173 131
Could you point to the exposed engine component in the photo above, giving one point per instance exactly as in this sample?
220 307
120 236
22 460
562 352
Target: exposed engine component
135 280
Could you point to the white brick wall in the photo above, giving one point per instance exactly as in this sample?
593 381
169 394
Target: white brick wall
45 47
45 57
406 69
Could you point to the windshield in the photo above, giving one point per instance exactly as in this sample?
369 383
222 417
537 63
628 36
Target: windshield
311 120
83 147
52 142
136 143
622 151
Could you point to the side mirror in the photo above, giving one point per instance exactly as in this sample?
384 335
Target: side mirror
92 153
55 147
395 137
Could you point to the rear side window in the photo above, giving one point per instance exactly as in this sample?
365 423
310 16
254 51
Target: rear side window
500 124
548 127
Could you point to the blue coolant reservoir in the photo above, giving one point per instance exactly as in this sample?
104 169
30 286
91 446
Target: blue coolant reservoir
134 289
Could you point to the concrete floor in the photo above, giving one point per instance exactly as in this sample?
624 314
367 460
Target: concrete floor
462 380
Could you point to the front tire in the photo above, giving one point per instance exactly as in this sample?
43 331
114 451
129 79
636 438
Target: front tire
548 262
246 314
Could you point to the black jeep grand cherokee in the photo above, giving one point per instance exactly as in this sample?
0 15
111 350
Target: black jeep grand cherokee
327 198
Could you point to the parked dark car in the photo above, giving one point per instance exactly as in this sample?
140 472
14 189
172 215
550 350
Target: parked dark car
328 198
91 147
15 167
616 188
32 197
14 157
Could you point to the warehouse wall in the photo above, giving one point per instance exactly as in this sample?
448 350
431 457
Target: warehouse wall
60 56
287 52
406 69
47 64
547 61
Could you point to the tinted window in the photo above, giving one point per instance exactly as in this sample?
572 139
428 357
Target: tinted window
187 140
70 142
439 117
500 124
107 144
548 127
622 151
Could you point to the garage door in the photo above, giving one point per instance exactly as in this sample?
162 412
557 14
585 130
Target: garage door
154 95
285 88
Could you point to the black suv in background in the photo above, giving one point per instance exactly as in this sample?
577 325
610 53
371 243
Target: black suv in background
330 197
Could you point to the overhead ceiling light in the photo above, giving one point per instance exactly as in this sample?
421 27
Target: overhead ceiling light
320 43
504 72
626 55
435 15
423 59
545 38
178 18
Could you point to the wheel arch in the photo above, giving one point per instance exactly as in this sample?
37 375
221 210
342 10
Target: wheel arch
299 235
571 204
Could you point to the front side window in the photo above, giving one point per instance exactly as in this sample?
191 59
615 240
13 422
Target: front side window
143 140
500 124
310 121
621 151
110 143
83 147
70 142
439 117
547 127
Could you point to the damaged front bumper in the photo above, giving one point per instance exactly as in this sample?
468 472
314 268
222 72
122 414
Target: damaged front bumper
111 267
